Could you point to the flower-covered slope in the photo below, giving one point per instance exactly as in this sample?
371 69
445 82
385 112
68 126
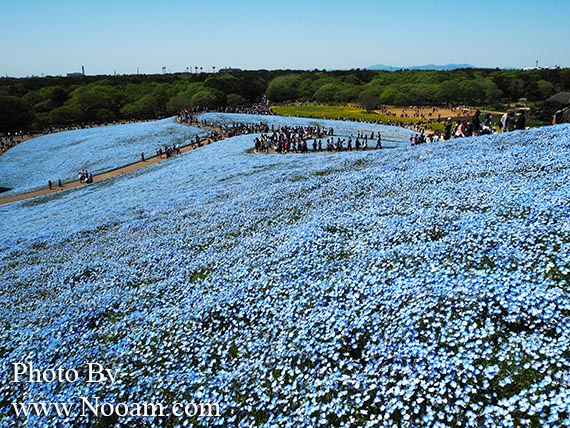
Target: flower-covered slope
29 165
420 287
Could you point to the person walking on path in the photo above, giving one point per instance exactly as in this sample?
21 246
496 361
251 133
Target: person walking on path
49 184
142 156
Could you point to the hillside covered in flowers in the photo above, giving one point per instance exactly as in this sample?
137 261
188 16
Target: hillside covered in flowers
407 287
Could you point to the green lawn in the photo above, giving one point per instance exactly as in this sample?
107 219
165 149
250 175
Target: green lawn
340 112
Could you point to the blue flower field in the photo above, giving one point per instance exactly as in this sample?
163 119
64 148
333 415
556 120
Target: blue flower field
29 166
407 287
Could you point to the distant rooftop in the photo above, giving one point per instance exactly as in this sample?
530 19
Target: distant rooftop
229 70
560 97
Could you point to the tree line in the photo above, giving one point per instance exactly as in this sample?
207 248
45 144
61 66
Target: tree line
38 103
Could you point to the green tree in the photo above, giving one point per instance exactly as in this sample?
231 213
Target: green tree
369 102
393 96
207 99
183 99
471 92
226 83
492 93
64 115
146 107
327 93
347 95
284 88
545 88
96 102
15 114
235 100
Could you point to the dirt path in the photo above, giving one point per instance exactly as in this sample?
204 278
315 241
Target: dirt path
105 175
429 113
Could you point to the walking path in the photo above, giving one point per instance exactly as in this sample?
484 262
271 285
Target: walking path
105 175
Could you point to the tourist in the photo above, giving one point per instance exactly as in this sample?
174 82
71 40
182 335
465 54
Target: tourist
520 121
561 116
487 126
378 141
476 122
508 121
447 131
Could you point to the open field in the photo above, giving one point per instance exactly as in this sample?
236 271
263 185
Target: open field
399 115
334 112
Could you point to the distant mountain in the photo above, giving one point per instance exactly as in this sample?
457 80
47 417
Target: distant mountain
420 67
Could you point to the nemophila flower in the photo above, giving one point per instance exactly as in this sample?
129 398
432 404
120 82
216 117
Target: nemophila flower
422 287
28 166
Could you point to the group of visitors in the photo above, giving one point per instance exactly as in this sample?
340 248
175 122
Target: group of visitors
423 138
511 120
10 140
360 143
187 115
85 176
50 183
261 108
297 140
478 126
424 113
287 139
168 151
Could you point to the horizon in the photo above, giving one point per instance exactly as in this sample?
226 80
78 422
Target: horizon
418 67
145 38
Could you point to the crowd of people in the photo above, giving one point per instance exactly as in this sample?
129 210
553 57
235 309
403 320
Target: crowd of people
424 113
168 151
261 108
187 115
297 139
11 139
478 125
85 176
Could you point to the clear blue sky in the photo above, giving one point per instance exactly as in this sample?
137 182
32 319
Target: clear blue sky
54 37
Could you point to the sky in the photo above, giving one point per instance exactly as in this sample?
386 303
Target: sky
55 37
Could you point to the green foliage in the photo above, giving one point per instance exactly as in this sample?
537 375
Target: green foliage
183 99
393 96
15 114
69 100
94 103
369 102
147 107
326 93
236 100
546 89
63 116
284 88
208 99
347 95
226 83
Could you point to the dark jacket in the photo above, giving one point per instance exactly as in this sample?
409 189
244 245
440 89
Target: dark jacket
521 122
